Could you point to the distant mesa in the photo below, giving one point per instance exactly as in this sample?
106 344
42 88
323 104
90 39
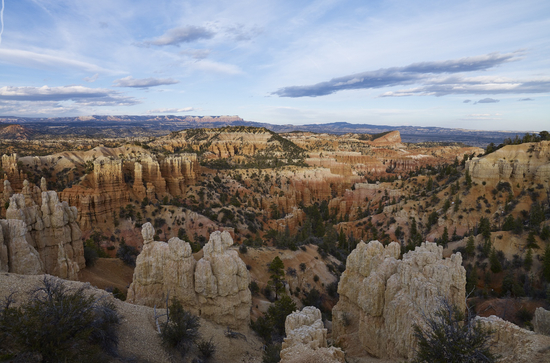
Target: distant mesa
16 132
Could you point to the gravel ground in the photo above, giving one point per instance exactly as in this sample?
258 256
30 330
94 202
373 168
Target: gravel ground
139 340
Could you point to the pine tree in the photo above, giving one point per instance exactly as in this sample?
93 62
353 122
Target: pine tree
470 246
546 264
444 240
277 269
496 267
528 261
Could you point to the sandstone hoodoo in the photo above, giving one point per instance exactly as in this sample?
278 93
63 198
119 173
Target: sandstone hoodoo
381 296
215 287
41 238
306 339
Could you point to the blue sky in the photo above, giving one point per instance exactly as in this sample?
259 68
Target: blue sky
469 64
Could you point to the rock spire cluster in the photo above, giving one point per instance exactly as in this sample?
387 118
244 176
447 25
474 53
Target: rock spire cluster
215 287
382 296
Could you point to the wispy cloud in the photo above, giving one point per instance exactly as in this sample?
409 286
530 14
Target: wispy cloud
197 54
143 82
526 99
77 94
412 74
170 110
92 78
40 60
487 100
176 36
466 101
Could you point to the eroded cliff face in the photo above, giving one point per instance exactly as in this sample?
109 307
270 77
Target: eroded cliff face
306 339
41 238
101 194
215 287
381 296
514 163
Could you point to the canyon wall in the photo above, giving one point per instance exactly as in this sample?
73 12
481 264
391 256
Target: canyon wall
381 297
215 287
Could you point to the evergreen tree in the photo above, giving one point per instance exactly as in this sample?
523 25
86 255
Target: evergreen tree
546 264
470 246
342 241
531 242
496 267
468 180
528 261
545 233
471 280
277 270
485 228
444 240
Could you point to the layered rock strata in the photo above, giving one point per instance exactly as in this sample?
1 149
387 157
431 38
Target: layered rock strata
381 297
41 238
306 339
514 163
215 287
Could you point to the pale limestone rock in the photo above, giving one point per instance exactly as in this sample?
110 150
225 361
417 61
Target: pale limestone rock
8 191
223 268
22 257
541 322
514 344
215 287
148 286
306 339
52 231
381 297
43 185
179 271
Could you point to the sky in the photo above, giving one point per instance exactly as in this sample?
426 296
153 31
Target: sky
462 64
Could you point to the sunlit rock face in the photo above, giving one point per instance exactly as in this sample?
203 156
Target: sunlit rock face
382 296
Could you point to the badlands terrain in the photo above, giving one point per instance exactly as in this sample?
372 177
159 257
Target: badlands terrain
204 215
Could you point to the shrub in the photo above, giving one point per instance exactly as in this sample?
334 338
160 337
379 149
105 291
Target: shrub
181 329
272 354
448 336
206 348
60 325
254 288
127 254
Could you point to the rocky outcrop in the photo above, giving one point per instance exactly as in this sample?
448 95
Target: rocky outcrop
392 138
381 296
306 339
514 344
215 287
541 322
42 238
514 163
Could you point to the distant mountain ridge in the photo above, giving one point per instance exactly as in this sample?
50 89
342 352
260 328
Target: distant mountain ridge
129 126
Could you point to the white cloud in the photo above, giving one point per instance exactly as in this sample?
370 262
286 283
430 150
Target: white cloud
144 82
170 110
78 94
